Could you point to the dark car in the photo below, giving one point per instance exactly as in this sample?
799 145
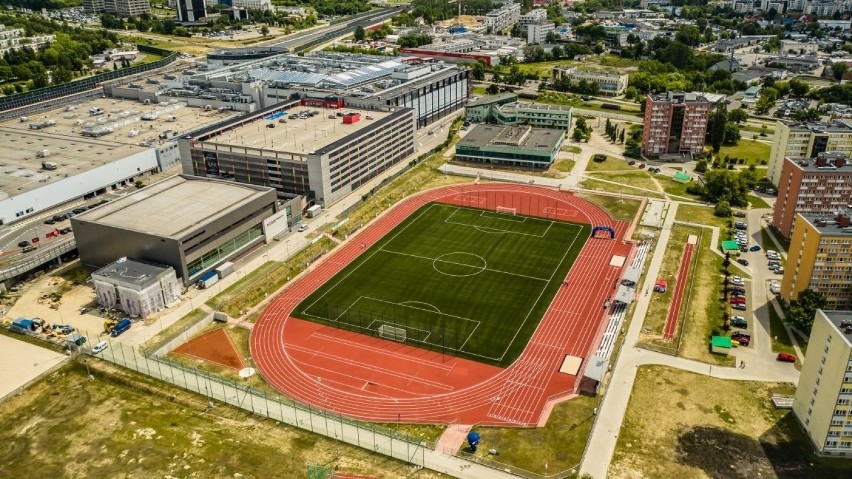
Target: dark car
631 162
58 218
77 211
271 125
641 165
742 261
755 248
743 249
739 322
49 222
739 214
737 291
23 244
738 306
65 230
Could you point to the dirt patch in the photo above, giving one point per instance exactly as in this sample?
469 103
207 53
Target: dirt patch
215 347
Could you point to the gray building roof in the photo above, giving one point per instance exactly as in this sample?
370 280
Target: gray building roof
491 99
131 272
521 137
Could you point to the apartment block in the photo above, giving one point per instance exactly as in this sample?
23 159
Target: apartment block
123 8
798 140
12 39
612 84
537 32
819 186
820 258
503 17
535 15
824 393
674 123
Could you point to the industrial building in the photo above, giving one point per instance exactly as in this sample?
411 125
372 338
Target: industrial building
234 56
88 148
674 123
797 141
817 186
820 249
523 146
823 402
612 84
191 224
138 288
505 109
324 150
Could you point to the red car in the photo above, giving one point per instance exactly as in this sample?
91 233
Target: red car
738 300
786 358
641 165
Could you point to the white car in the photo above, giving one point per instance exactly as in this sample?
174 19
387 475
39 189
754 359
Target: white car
99 347
302 228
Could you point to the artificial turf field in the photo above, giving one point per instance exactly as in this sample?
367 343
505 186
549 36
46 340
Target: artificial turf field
468 282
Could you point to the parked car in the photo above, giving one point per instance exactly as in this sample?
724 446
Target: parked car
302 227
786 358
631 162
739 322
739 214
743 249
63 328
740 336
754 248
271 125
737 300
65 230
738 290
99 347
77 211
742 261
779 270
641 165
49 221
739 307
23 244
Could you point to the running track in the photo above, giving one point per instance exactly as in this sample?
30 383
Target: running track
677 296
384 381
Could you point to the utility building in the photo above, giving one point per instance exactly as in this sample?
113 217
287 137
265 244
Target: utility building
139 289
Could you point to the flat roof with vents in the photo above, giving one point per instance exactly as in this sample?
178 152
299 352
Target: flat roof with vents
518 137
842 322
73 153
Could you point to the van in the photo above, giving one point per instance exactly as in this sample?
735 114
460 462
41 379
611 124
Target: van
121 327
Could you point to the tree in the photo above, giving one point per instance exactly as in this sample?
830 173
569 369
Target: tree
766 100
716 126
478 71
722 209
582 131
725 185
808 114
801 311
838 69
688 35
798 87
701 166
621 137
359 34
556 53
738 115
732 133
264 31
551 37
493 89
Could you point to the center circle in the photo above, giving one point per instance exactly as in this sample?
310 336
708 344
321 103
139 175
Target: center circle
459 264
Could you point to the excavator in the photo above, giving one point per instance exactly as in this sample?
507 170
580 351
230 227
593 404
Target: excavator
109 324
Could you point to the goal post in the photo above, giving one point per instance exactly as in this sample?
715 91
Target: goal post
394 333
506 210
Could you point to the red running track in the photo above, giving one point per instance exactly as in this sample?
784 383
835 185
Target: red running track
384 381
677 296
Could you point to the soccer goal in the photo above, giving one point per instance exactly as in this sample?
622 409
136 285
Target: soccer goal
393 333
506 210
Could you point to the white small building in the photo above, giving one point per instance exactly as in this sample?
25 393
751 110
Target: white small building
139 289
537 32
612 84
792 48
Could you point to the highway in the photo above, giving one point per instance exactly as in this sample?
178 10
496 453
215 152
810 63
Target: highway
300 43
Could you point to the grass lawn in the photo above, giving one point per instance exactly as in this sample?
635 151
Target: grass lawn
701 215
674 188
760 172
123 424
620 208
757 202
636 179
479 90
565 165
682 424
593 184
781 342
766 237
573 149
559 444
469 281
756 129
161 338
655 318
753 151
611 164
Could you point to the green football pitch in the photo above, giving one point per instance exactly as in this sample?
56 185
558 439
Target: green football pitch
467 282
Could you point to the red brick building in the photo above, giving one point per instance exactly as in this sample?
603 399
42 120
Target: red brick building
674 123
820 186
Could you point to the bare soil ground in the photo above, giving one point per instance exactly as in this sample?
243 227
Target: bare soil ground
681 424
125 425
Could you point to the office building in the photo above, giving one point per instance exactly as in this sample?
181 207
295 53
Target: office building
191 10
505 109
820 258
323 151
522 146
537 32
797 140
612 84
138 288
191 224
262 5
122 8
675 123
535 15
819 186
823 403
503 18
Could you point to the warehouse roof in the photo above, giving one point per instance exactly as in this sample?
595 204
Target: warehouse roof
174 206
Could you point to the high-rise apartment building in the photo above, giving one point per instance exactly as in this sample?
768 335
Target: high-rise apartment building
675 123
820 258
191 10
798 140
823 403
122 8
818 186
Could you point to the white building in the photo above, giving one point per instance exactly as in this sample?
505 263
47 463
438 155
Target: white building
612 84
262 5
824 8
139 289
503 18
533 16
537 32
792 48
123 8
14 38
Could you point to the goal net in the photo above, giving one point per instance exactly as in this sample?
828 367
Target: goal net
393 333
506 210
